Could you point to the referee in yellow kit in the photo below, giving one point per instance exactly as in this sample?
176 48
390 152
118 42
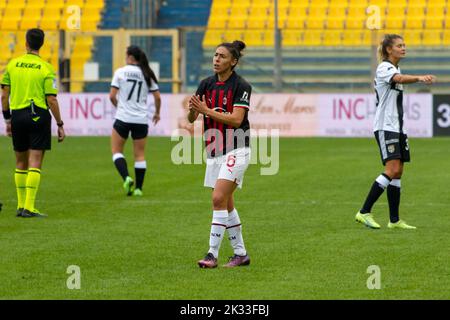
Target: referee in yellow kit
28 91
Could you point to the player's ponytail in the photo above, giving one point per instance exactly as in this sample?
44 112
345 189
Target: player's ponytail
142 60
388 41
235 48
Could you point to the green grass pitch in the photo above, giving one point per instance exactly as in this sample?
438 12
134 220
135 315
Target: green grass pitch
298 226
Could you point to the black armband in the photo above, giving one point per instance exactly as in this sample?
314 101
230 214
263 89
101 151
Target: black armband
7 115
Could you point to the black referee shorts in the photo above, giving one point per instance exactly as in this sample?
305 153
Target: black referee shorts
31 131
138 131
393 145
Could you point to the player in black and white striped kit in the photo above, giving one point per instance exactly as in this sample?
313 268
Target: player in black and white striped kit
389 130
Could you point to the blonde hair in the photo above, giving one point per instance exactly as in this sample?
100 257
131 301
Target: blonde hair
388 41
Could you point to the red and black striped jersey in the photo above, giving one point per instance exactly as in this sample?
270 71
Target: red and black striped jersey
223 97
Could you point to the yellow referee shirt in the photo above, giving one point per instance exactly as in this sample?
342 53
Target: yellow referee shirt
30 78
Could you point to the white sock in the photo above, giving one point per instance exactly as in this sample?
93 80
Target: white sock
234 229
218 226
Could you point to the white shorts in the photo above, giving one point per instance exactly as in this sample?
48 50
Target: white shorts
231 167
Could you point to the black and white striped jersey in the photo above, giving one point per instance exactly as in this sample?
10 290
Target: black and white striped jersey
389 112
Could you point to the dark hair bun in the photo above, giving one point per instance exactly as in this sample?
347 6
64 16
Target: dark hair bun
238 44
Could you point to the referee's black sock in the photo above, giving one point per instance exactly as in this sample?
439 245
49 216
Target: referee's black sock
121 165
393 195
375 192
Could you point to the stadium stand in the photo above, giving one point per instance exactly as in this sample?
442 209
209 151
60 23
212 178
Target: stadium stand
179 14
326 41
17 16
112 18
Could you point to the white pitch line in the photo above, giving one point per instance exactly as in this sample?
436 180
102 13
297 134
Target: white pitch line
275 203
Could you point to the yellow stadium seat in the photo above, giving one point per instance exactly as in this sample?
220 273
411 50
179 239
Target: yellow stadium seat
369 37
281 22
421 3
337 11
396 8
282 5
50 12
29 23
89 25
99 5
13 13
268 38
291 38
357 13
313 22
318 4
9 24
332 38
35 5
212 38
294 22
2 4
258 12
317 12
434 22
432 38
30 12
218 5
79 3
394 22
400 3
299 4
56 4
16 4
446 38
447 22
238 12
231 35
416 11
413 23
380 3
5 55
91 12
357 3
435 11
217 22
256 23
351 38
338 4
312 38
252 38
355 22
413 37
239 22
48 24
335 22
298 12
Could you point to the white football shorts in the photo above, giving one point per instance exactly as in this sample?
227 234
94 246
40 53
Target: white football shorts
230 166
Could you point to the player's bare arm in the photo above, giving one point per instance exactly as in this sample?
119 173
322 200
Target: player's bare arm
406 79
113 96
54 107
156 116
5 109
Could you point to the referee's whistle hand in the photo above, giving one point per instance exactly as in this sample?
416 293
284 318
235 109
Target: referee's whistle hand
61 134
8 130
